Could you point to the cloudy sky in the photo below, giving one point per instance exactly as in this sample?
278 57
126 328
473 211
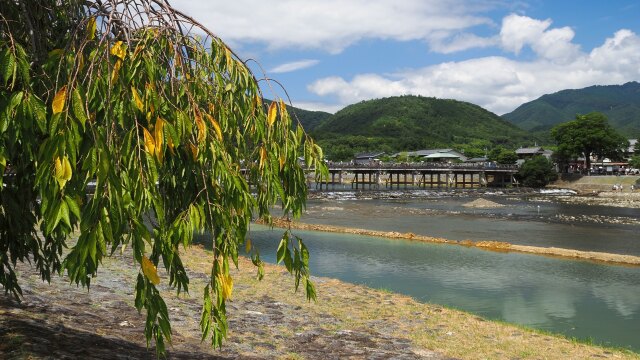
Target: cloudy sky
494 53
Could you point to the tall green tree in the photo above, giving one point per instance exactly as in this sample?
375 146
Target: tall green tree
586 136
634 162
537 172
501 155
507 157
139 104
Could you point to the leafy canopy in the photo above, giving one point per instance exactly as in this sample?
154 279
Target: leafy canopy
151 112
502 155
588 135
537 172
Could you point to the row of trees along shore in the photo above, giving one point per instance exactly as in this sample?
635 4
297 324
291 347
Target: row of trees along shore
161 114
585 136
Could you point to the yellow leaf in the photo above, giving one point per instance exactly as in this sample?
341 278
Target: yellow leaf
116 69
216 126
226 285
62 171
58 171
281 162
137 51
91 28
66 168
202 128
263 156
150 271
170 144
80 60
247 245
136 99
273 112
149 142
58 100
256 103
194 151
228 58
119 50
159 137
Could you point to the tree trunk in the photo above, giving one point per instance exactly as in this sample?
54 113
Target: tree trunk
587 159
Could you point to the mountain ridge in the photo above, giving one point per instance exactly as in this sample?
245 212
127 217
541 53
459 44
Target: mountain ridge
620 103
409 122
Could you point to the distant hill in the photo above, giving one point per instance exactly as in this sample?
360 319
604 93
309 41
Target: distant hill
412 123
620 103
309 119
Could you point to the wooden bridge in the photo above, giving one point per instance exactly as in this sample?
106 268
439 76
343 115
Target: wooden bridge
395 176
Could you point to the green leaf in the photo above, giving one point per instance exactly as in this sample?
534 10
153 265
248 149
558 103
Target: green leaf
282 248
16 99
304 252
310 290
78 107
288 261
7 64
39 110
91 244
64 214
73 206
23 69
51 223
53 124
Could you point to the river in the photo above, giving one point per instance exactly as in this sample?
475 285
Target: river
576 298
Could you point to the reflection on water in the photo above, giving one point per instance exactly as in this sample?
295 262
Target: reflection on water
576 298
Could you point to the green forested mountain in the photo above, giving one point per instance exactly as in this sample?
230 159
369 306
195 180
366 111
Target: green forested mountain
620 103
411 123
308 119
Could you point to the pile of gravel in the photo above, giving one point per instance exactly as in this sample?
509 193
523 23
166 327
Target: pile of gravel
482 203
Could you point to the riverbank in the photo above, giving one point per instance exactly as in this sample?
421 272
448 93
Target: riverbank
267 321
586 185
486 245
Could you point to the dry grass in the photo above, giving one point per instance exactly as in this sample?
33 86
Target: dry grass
343 306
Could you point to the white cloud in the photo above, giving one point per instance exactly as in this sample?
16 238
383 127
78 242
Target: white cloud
318 106
554 44
333 25
294 66
501 84
461 42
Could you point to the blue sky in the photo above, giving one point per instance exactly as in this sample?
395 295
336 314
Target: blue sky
494 53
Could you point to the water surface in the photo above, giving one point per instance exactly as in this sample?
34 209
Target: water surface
576 298
524 220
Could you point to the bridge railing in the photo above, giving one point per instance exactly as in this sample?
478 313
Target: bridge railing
417 166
